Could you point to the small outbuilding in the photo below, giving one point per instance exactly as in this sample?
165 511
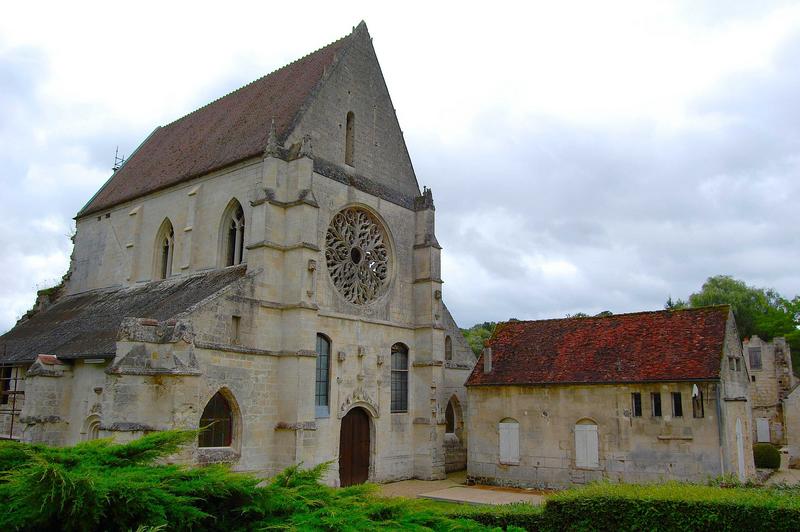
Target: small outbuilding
641 397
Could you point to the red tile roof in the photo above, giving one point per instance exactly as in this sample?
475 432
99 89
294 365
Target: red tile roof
228 130
640 347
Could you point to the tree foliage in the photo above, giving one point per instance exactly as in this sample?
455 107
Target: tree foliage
477 334
758 311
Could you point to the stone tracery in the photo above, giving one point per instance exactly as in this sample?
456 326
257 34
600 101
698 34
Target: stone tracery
357 255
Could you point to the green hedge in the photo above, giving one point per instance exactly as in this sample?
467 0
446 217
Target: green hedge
671 506
766 456
521 515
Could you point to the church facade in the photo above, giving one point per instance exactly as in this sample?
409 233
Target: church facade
265 266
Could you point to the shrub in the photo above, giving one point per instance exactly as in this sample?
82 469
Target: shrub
671 506
99 485
766 456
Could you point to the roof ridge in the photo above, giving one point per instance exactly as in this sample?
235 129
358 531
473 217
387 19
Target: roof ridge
637 313
287 65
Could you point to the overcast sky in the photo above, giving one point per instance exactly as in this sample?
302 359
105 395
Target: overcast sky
584 156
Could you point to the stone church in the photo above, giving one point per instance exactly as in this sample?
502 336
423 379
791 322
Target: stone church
267 267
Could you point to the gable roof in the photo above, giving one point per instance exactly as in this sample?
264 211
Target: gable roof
228 130
86 325
664 345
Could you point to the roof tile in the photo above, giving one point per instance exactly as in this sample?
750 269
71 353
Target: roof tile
230 129
640 347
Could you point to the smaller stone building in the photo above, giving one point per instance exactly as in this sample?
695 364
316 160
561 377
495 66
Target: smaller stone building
641 397
771 379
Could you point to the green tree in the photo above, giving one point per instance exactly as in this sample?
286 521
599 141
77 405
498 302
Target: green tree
477 334
758 311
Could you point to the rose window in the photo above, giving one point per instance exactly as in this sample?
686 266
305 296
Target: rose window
357 255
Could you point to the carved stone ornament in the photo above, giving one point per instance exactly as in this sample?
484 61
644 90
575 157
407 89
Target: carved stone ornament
357 255
359 397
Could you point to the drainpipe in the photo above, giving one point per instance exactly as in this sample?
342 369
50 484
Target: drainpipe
720 432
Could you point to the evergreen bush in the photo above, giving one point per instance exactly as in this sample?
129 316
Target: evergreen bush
766 456
99 485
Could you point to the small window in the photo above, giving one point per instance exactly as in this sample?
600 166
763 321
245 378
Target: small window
509 441
587 452
5 384
753 378
234 235
697 402
217 419
738 364
236 322
755 357
731 364
636 404
677 405
399 378
165 247
655 404
322 388
448 348
350 133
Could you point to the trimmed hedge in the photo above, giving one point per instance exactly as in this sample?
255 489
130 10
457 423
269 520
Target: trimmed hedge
766 456
670 506
522 515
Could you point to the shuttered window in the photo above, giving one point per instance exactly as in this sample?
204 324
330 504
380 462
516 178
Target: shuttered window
762 430
509 442
586 446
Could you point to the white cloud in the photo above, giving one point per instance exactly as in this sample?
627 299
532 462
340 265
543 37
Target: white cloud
584 156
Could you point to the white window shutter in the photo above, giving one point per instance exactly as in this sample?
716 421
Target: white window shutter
509 443
586 446
762 429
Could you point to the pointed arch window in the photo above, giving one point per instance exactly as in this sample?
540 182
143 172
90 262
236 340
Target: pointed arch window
448 348
322 387
349 144
399 378
165 248
449 419
217 419
233 227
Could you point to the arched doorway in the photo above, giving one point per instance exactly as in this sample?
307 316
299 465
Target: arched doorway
354 448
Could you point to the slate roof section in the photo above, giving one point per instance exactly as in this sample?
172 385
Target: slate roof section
640 347
86 325
228 130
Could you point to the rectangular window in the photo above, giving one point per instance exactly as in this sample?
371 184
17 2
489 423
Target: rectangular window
236 321
636 404
322 386
677 405
399 378
655 404
755 357
731 364
586 446
509 442
5 384
762 430
697 402
738 364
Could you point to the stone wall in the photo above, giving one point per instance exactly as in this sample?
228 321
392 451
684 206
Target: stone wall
631 449
770 384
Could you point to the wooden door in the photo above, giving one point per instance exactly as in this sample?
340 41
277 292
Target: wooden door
354 448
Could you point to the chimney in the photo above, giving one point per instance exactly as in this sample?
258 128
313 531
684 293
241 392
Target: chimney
487 359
